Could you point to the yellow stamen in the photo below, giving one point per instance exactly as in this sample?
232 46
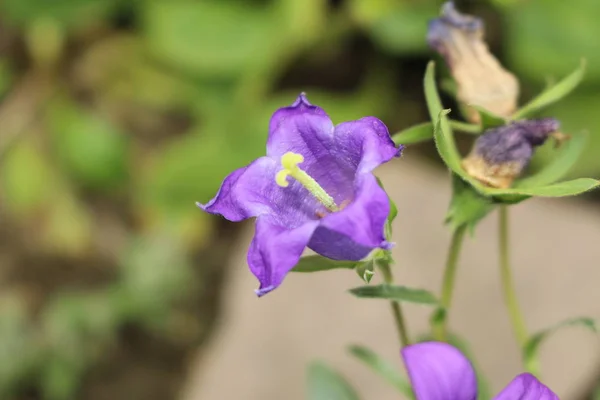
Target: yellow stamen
290 161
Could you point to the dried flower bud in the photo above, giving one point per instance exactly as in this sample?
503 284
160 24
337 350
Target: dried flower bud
501 154
481 80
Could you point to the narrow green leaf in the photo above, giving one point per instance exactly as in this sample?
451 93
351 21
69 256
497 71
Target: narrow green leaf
442 133
366 270
382 368
554 93
414 134
422 132
397 293
317 263
559 166
531 347
489 119
466 127
326 384
560 189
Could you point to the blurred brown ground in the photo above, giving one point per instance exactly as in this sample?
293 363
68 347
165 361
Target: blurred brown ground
262 346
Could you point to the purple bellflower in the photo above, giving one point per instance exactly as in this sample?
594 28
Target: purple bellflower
314 188
501 154
439 371
480 79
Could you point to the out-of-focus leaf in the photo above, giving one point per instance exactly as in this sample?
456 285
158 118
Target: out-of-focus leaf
210 37
396 293
91 149
155 274
531 347
559 165
316 263
382 368
538 31
553 94
398 27
68 226
6 77
20 351
72 13
26 177
326 384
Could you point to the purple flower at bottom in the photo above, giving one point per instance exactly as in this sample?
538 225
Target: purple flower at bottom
439 371
314 188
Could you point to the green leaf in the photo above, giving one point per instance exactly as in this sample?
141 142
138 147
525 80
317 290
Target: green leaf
422 132
326 384
442 133
382 368
554 93
213 37
414 134
531 347
366 270
317 263
489 119
396 293
560 189
26 177
559 165
91 149
467 206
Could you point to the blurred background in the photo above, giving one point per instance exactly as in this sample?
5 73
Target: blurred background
116 116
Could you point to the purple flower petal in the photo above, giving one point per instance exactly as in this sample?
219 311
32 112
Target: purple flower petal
439 371
351 234
365 144
526 387
275 250
332 155
252 191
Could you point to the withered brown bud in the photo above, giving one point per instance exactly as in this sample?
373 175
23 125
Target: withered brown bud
501 154
480 78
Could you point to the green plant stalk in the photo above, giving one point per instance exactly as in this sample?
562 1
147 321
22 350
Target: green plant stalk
388 278
508 289
440 326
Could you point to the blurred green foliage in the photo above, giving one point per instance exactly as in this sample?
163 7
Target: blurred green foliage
118 115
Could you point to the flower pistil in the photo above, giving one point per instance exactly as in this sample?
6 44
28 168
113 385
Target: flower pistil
290 161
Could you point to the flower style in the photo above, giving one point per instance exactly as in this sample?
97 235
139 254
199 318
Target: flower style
501 154
439 371
314 188
481 80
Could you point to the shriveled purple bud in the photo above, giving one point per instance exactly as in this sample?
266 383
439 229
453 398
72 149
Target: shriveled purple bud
501 154
480 78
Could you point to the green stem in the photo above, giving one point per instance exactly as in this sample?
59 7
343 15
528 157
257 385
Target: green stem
440 323
388 278
508 289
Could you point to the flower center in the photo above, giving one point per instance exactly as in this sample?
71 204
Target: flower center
290 161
